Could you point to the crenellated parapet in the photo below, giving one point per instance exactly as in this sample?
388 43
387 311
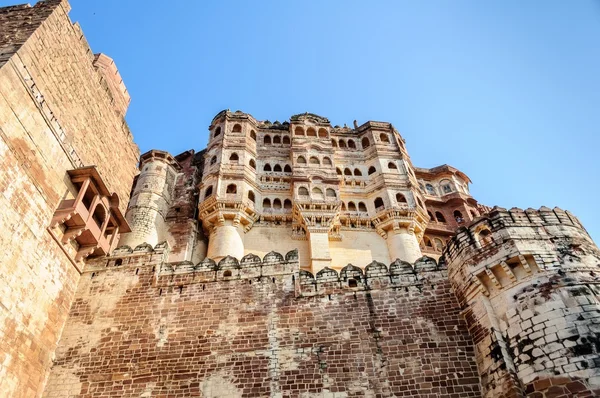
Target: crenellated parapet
528 282
423 274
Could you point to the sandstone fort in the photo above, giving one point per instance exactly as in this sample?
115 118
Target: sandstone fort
286 259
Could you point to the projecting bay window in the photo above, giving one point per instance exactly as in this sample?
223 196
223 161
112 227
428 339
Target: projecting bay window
92 219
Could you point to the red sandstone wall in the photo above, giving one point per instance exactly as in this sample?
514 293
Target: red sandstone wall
192 332
54 116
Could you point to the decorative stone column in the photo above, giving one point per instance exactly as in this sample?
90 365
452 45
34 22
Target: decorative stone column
401 227
317 219
225 220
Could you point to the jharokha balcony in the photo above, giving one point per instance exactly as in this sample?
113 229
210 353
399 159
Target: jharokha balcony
92 219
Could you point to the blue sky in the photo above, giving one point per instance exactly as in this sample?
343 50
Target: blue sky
507 91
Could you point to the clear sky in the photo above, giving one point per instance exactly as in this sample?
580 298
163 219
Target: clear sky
507 91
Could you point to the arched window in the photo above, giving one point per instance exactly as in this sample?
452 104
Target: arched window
485 237
473 214
213 160
277 168
208 192
266 203
227 274
384 138
372 170
362 206
231 188
427 241
251 196
351 144
317 193
392 166
267 167
446 186
267 140
302 191
301 160
311 132
277 203
287 168
330 193
286 140
439 217
314 161
277 140
234 158
99 215
338 171
342 144
347 172
379 204
439 245
287 204
334 143
430 189
299 131
365 142
431 217
343 206
458 217
253 134
217 132
327 161
400 198
351 206
322 133
252 164
357 172
237 128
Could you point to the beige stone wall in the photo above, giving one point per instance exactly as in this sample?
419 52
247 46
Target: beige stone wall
54 116
358 248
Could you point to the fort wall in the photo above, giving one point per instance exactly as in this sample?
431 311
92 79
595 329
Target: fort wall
55 116
262 327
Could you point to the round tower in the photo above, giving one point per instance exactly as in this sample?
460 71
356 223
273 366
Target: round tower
151 199
228 189
528 282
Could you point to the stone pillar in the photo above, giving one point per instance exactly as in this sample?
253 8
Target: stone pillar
403 245
150 200
320 256
226 240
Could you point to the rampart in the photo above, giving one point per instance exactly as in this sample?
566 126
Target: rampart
528 283
262 327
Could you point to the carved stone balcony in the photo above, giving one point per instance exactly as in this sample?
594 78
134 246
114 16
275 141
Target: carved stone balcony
92 219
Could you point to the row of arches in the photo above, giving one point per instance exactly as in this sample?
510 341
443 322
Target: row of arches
276 139
445 187
365 142
311 132
277 168
276 204
457 215
436 243
317 193
237 128
372 170
314 161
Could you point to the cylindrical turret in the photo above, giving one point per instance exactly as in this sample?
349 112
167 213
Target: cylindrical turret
151 199
527 282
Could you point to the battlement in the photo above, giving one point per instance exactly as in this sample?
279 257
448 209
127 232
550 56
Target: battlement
487 234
